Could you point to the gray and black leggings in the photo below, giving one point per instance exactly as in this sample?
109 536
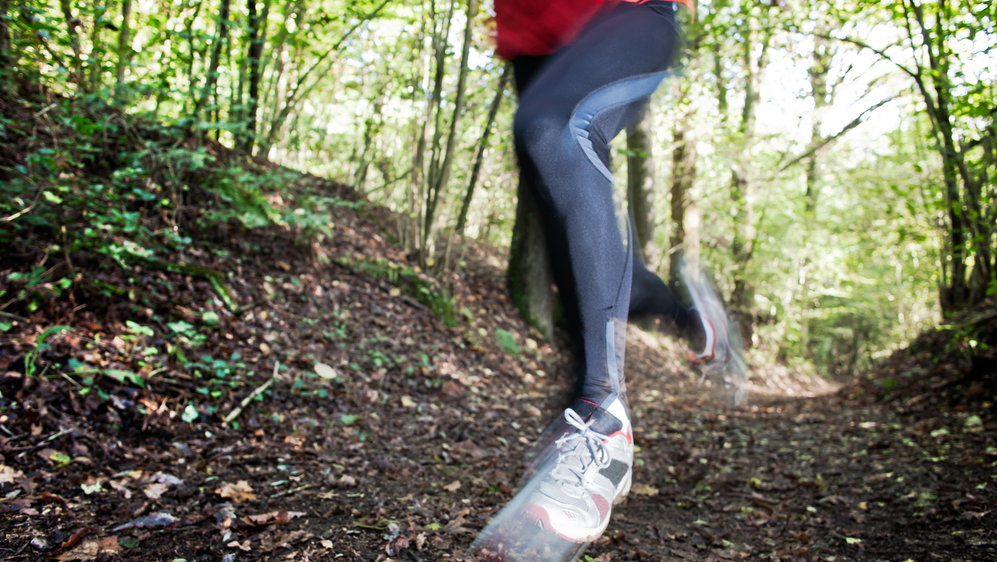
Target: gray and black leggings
571 105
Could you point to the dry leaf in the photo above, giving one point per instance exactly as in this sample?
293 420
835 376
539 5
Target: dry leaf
325 371
90 549
243 546
644 490
9 474
453 486
151 521
92 486
277 517
155 491
239 492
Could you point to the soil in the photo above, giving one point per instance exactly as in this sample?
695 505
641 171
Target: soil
362 425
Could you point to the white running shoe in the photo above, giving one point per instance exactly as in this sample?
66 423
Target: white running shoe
592 472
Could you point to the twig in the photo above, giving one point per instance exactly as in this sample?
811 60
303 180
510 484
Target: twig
293 490
245 401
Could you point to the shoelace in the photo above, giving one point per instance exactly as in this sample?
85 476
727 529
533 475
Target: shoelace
576 452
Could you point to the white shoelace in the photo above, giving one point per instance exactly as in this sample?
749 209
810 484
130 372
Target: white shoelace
576 452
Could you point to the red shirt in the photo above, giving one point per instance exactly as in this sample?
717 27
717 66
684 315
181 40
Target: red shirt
540 27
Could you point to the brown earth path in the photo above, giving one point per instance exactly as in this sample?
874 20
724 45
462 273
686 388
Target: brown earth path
386 434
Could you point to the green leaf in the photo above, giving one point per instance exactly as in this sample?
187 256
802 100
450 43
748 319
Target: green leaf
60 458
125 377
190 414
51 332
138 329
128 542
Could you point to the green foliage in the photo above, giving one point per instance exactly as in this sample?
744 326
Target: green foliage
347 88
506 341
413 282
41 344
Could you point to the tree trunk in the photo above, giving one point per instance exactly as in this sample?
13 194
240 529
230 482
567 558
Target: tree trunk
95 61
640 184
124 50
529 276
211 79
5 47
742 299
72 22
482 147
683 177
442 177
254 55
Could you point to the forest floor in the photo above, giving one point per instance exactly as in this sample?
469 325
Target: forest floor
376 428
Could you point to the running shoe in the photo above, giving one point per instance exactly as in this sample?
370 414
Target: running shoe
721 351
592 472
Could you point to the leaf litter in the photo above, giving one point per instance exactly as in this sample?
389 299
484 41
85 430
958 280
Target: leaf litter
389 433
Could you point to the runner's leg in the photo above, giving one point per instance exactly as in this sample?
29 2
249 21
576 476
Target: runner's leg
575 104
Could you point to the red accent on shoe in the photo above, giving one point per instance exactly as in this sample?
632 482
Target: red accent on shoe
629 435
709 353
538 516
602 504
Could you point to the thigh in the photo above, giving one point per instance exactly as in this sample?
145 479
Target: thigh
618 48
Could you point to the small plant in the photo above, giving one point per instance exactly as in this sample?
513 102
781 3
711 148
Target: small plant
30 360
506 341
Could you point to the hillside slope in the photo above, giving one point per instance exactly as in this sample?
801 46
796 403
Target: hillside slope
297 389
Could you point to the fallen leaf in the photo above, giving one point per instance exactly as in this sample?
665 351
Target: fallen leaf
9 474
243 546
151 521
275 517
90 549
166 478
325 371
92 486
56 457
644 490
453 486
155 491
238 492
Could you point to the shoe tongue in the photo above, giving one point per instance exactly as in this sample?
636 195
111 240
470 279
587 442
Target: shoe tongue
602 421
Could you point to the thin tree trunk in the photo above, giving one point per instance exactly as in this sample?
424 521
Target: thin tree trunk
124 50
211 79
443 177
640 184
303 86
96 49
5 46
72 22
482 147
683 177
254 54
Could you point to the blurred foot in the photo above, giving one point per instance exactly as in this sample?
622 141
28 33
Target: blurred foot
721 344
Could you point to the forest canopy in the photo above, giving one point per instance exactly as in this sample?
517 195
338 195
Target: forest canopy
832 162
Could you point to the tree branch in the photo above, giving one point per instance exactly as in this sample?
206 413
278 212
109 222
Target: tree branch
827 140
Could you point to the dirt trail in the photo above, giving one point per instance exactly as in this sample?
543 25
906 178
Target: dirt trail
388 434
